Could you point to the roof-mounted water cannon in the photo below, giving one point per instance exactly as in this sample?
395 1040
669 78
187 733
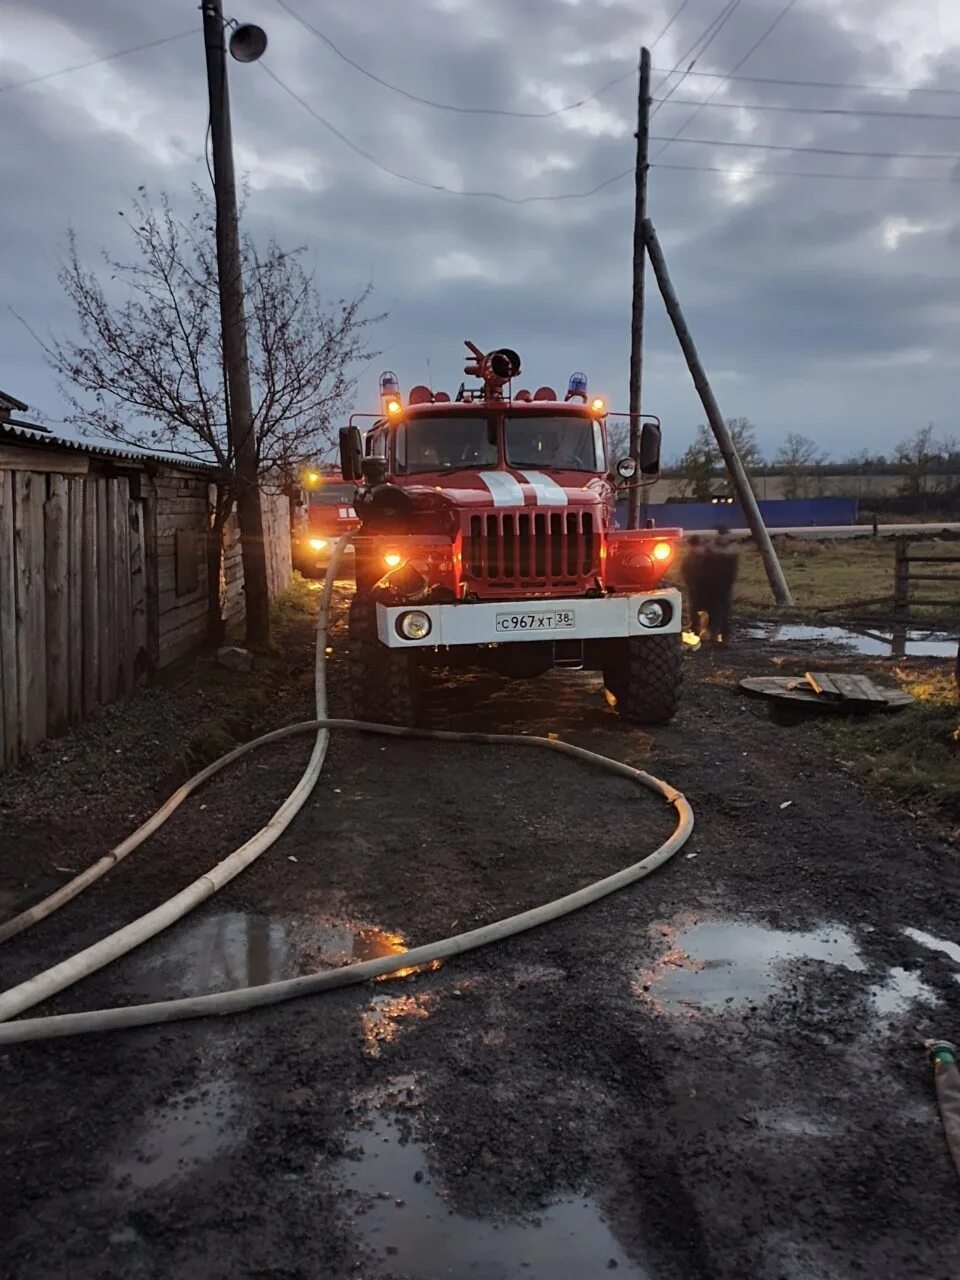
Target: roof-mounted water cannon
494 368
391 402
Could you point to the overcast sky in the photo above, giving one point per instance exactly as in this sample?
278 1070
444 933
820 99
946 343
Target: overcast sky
830 307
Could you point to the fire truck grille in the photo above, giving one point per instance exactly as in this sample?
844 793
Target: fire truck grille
530 549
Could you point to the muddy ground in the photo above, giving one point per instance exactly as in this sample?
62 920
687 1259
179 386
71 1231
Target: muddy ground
715 1074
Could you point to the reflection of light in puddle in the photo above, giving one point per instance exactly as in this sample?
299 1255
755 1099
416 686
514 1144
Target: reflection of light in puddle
910 644
231 949
382 1021
899 992
714 964
193 1127
950 949
407 1221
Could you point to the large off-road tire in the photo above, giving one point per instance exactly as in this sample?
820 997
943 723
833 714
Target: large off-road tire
383 682
644 673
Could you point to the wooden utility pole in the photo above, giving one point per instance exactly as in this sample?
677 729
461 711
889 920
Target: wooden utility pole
234 328
748 501
639 262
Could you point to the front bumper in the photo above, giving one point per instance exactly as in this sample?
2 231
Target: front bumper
492 622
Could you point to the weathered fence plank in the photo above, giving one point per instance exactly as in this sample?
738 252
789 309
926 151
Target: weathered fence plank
107 583
28 497
75 487
56 603
138 600
91 597
121 545
9 716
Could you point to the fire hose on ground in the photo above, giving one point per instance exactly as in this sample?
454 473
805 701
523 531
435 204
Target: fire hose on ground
46 984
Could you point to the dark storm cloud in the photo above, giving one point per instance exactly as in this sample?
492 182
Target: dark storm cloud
842 288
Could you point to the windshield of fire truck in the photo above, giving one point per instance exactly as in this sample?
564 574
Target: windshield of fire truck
560 443
446 444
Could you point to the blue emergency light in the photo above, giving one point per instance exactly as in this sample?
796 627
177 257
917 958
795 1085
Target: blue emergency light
577 386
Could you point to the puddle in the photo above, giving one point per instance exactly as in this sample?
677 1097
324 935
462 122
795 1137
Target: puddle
717 965
192 1128
899 643
951 949
901 990
233 949
405 1219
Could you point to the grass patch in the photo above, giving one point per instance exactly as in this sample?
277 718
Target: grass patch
233 705
914 753
839 575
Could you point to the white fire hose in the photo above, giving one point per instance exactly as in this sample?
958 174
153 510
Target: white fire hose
45 984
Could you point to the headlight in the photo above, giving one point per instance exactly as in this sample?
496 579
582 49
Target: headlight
652 613
415 625
662 551
317 544
393 559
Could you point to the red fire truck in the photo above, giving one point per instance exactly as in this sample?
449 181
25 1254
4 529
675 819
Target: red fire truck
325 512
487 535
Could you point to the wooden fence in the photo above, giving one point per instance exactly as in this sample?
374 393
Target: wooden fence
73 620
103 579
905 577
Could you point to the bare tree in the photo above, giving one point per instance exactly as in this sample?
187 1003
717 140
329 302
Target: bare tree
702 461
800 460
917 454
147 368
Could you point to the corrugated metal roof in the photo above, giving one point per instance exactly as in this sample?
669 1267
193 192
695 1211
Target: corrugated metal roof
28 434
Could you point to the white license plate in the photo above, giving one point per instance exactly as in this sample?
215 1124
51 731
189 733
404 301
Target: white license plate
536 620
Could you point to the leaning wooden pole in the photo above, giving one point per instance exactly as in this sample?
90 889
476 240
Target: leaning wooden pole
748 501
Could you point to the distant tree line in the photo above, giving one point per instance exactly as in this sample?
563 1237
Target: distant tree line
925 462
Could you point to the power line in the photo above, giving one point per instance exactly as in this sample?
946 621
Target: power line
768 31
434 186
817 84
95 62
676 15
698 49
448 106
818 151
814 111
617 177
798 173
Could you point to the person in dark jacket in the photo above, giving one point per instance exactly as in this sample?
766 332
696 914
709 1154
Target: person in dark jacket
721 560
693 580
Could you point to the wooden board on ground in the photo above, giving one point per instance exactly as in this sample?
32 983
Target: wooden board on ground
793 689
845 688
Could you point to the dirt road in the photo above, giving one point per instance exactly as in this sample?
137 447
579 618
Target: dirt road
712 1076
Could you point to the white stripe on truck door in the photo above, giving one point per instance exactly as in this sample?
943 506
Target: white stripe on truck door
548 493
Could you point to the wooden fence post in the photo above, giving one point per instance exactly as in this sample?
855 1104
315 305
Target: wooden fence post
28 499
91 595
901 579
55 580
9 715
75 487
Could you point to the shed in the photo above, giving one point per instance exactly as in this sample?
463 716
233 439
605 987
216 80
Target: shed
103 572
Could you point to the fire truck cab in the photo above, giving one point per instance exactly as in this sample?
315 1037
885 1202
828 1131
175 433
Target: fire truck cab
488 535
324 513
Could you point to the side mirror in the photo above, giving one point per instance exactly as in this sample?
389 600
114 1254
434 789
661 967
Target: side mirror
650 449
626 468
351 453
